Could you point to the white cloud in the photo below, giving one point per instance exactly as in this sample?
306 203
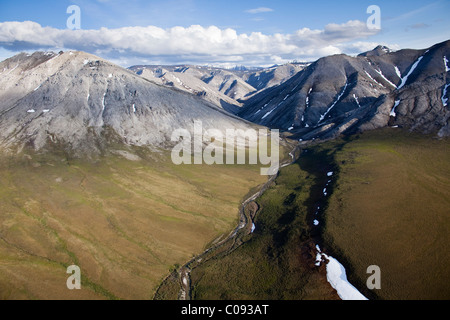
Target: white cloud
192 44
259 10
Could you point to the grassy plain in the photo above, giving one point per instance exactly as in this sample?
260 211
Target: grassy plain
124 223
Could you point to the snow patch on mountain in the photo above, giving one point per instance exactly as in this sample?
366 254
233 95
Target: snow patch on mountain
374 79
397 71
414 66
268 114
337 277
103 102
356 99
393 111
444 94
386 79
447 68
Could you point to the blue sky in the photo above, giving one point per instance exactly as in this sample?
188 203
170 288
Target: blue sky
328 27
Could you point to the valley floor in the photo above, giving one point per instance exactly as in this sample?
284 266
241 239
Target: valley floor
125 223
386 205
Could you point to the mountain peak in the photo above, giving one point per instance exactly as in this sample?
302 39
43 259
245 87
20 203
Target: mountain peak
378 51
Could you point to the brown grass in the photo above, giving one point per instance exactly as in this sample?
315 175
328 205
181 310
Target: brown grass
124 223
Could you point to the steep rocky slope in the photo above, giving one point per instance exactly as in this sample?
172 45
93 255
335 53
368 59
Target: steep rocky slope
408 88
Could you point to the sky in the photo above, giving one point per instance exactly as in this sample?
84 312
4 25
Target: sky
222 33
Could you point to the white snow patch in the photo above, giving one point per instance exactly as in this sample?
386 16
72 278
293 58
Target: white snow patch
110 75
414 66
31 111
253 227
38 87
397 71
447 69
374 79
134 108
267 114
291 128
318 259
286 98
322 117
444 94
46 110
103 102
393 112
86 61
330 174
357 101
50 60
318 256
316 222
337 277
386 79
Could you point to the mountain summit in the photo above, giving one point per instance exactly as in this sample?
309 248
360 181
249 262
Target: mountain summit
82 103
378 51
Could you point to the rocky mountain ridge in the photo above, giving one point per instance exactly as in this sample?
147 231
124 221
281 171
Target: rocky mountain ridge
406 88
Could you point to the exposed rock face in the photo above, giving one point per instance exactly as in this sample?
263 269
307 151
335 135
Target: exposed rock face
220 87
82 103
273 76
407 88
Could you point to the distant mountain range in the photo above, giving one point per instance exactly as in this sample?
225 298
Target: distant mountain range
81 102
226 88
